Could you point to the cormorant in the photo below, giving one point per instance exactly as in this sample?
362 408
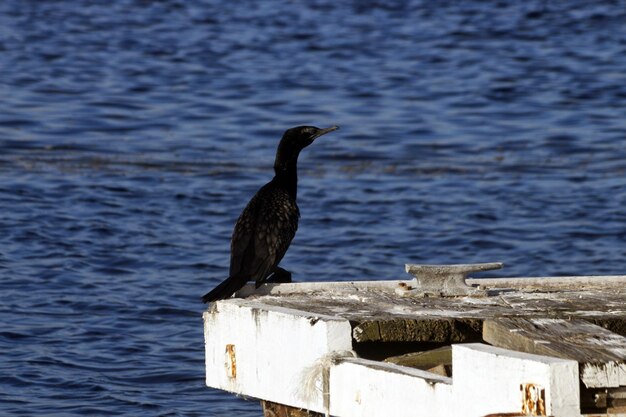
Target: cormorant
269 222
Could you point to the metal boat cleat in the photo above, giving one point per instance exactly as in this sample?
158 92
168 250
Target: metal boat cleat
444 280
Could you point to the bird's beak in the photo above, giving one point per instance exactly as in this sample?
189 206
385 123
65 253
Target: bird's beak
324 131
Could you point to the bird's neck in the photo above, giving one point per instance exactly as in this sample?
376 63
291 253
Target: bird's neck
287 177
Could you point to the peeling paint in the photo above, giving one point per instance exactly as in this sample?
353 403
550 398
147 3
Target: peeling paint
231 362
533 399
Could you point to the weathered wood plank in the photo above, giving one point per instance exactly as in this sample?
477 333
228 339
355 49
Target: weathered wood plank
385 317
605 282
271 409
418 330
537 283
616 325
603 400
438 361
600 353
364 305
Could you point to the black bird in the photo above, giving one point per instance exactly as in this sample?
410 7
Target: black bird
269 222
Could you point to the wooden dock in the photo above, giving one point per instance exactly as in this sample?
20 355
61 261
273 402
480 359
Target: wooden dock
463 347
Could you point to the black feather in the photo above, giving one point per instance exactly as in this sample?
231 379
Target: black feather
269 222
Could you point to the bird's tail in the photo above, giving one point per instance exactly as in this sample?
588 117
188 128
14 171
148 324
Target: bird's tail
224 290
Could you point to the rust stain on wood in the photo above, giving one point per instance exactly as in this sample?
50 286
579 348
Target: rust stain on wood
533 400
231 363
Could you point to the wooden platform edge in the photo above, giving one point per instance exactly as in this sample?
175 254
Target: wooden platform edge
546 283
601 354
247 353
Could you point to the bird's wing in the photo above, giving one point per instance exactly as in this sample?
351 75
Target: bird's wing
263 233
242 243
276 228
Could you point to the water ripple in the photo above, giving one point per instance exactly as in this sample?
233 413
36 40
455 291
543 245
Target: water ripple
133 133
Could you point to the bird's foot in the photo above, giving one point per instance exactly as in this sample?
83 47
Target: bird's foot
280 275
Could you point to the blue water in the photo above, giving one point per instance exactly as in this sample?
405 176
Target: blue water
134 132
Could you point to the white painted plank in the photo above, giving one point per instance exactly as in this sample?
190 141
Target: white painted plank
271 346
262 351
488 380
363 388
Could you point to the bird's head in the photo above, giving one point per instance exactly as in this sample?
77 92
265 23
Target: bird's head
302 136
296 139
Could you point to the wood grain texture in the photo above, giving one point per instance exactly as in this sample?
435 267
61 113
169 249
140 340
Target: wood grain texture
601 354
